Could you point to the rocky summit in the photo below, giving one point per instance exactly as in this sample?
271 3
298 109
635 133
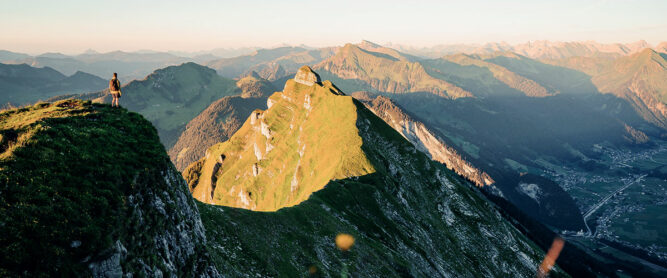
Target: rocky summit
307 76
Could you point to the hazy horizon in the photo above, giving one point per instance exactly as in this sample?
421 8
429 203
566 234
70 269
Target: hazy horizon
72 27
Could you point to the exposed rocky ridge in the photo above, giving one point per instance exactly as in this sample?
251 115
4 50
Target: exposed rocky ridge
306 76
217 123
410 216
220 120
281 155
119 208
662 47
424 139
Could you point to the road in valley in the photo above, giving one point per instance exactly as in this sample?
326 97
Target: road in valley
604 200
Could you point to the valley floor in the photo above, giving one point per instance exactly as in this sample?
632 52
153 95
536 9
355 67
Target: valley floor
623 200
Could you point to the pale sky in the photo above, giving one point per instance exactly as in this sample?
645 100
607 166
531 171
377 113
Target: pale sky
73 26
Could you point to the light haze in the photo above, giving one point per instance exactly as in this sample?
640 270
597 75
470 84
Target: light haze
74 26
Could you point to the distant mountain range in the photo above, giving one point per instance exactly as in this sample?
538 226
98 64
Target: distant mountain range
23 84
271 64
534 49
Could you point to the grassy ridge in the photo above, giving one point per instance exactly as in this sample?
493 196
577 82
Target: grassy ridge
410 217
88 190
305 148
51 219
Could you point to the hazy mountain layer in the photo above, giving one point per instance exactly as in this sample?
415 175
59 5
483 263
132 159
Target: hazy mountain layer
271 64
638 78
534 49
128 65
23 84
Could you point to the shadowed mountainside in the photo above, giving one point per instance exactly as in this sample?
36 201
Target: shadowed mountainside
409 215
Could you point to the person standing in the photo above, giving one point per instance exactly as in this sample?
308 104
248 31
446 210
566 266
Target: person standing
114 88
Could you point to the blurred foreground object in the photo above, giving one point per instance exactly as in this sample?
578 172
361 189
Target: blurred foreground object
344 241
550 257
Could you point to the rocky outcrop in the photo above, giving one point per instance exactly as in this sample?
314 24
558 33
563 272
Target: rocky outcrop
220 120
254 86
305 75
168 228
423 138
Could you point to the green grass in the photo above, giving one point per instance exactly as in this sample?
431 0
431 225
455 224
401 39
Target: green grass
327 136
65 178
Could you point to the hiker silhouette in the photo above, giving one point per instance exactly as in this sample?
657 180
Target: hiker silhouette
114 89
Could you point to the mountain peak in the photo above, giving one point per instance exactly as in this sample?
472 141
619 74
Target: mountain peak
281 155
365 43
305 75
662 47
253 74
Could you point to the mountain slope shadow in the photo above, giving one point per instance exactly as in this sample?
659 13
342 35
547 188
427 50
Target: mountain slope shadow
410 216
509 135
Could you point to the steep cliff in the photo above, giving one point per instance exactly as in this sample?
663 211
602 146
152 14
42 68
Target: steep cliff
424 139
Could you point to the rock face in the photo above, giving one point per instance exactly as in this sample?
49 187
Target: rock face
307 76
424 139
119 209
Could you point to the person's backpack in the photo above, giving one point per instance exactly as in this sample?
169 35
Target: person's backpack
113 85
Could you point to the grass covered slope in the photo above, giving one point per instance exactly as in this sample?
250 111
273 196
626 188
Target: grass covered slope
410 216
88 190
282 155
219 121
